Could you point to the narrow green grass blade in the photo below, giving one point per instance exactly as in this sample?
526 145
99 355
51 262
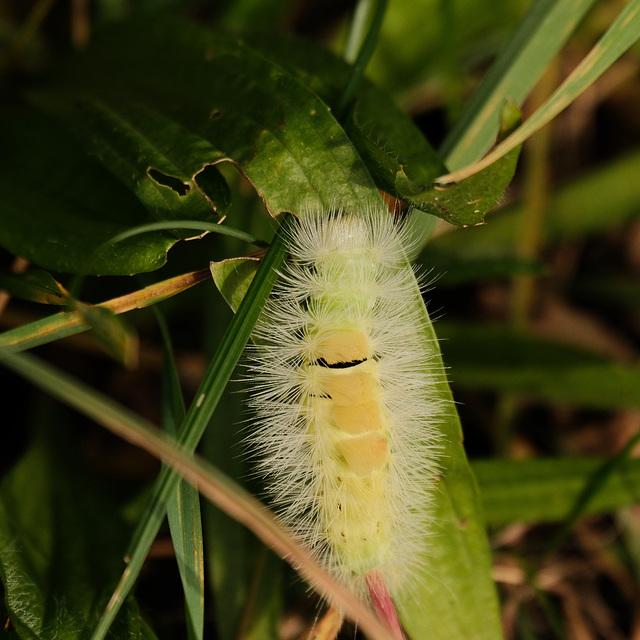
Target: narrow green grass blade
376 9
198 416
618 38
183 509
217 487
195 225
70 323
541 34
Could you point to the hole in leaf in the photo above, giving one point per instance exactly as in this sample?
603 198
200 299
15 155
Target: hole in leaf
169 181
214 187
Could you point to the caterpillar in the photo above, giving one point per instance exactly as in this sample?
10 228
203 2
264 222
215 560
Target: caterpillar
343 392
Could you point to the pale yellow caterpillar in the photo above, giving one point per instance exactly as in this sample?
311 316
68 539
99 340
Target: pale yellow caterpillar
346 418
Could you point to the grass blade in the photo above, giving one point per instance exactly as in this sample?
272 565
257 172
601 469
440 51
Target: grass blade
198 416
183 510
377 10
618 38
68 323
221 490
541 34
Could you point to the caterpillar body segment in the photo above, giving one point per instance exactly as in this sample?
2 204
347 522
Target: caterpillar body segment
344 396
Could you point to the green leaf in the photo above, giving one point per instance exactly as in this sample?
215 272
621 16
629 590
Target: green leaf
586 206
60 541
461 558
233 277
160 161
467 202
59 206
398 156
393 148
36 286
248 109
500 359
546 489
461 596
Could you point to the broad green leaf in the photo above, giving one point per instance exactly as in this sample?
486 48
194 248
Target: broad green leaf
393 148
541 34
58 206
36 286
456 598
232 99
467 202
399 158
166 166
60 542
545 489
500 359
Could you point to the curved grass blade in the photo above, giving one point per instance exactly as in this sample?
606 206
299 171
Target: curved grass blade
619 37
217 487
541 34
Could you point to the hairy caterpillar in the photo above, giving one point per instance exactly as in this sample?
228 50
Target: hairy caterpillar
346 420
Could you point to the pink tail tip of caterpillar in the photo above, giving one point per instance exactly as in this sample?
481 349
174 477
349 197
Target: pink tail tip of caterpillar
383 604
